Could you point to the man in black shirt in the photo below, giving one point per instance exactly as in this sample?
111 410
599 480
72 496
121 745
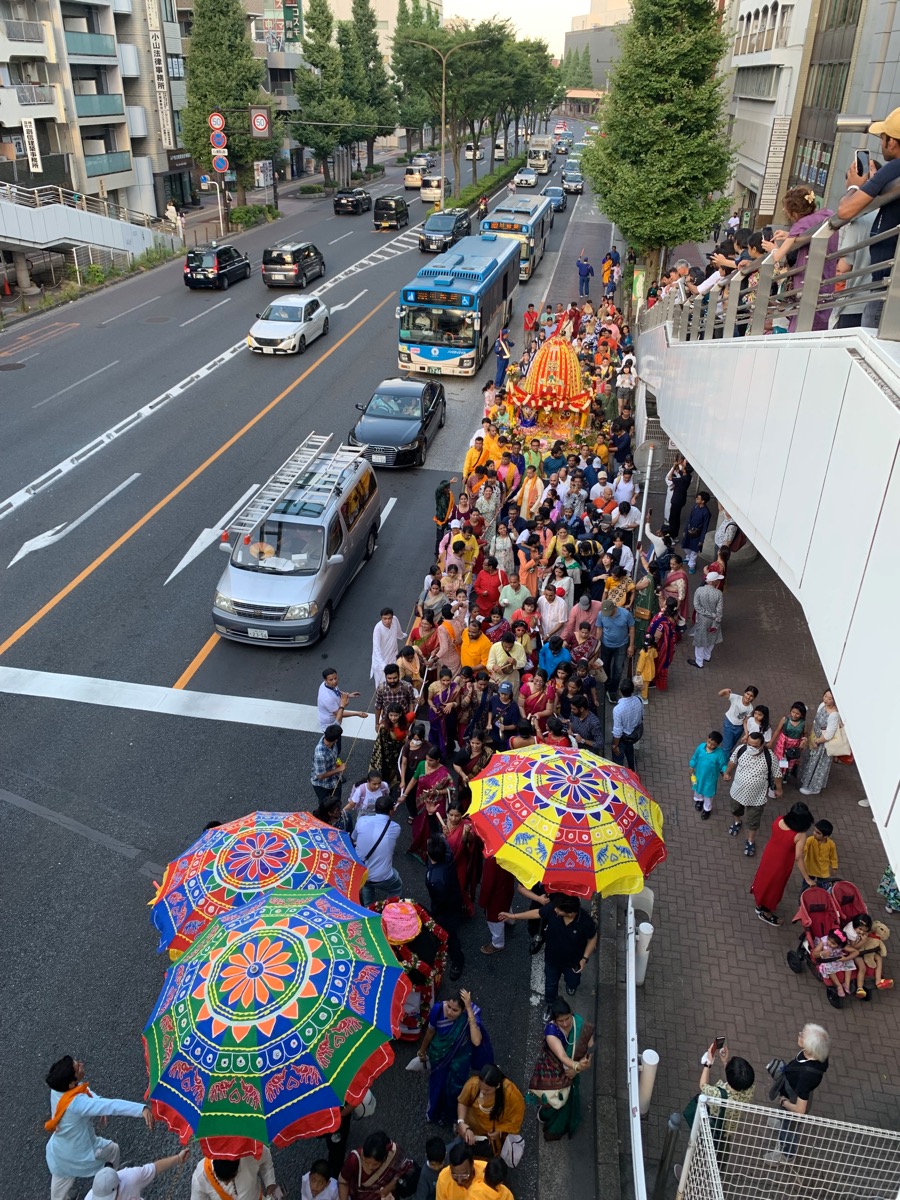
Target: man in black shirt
570 938
445 899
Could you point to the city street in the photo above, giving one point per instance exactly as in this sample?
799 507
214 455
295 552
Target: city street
106 626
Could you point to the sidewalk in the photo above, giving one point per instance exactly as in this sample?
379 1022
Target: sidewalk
714 967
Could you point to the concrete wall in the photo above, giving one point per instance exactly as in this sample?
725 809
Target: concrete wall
603 43
799 438
58 225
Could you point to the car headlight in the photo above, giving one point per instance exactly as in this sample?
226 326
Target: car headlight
409 445
286 343
250 341
299 612
225 603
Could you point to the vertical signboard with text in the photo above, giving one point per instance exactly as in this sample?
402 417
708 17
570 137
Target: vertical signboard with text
160 75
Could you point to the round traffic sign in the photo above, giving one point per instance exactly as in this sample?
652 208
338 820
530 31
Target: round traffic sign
216 121
220 163
218 140
261 122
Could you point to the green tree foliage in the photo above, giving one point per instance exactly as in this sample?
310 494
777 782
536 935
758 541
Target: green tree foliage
353 84
565 68
583 75
380 99
664 148
408 64
325 113
222 73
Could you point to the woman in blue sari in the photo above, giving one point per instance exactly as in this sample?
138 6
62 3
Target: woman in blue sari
456 1044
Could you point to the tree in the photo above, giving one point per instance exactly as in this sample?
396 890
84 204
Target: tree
664 148
325 112
222 73
353 84
380 99
408 64
582 72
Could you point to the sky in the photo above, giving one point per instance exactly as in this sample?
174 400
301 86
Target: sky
531 18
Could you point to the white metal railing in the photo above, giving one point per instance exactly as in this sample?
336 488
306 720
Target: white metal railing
42 197
633 1057
34 93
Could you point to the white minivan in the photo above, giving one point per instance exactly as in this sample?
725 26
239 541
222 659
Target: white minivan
431 191
474 153
500 151
412 177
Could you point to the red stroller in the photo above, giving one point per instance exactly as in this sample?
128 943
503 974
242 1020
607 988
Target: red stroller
821 911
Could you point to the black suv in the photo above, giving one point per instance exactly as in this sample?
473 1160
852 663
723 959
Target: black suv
292 265
352 200
442 229
215 266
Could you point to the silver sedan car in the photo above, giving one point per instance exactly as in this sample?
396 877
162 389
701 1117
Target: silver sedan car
288 325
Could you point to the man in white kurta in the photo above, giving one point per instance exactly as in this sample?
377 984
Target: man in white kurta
234 1179
387 637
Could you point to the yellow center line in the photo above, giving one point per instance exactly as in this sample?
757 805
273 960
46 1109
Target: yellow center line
176 491
195 664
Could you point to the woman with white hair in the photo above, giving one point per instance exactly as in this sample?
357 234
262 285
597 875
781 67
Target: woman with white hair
795 1085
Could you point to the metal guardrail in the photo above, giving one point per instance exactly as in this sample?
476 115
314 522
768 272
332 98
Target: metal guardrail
790 296
631 1047
41 197
34 93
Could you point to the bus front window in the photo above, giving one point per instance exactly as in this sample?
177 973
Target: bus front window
437 327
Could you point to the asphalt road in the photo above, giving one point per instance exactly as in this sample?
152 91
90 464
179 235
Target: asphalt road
97 798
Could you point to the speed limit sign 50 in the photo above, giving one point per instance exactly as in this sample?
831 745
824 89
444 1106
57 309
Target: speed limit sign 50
260 123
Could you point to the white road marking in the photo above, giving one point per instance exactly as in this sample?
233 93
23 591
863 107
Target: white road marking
208 536
60 531
204 706
341 238
28 357
17 499
77 383
205 313
340 307
386 511
110 320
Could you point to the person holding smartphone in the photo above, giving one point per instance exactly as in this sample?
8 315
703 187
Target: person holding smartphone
740 1079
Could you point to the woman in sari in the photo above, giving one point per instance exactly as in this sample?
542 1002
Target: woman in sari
432 784
480 703
450 581
455 1044
523 637
389 742
423 637
718 566
663 632
432 601
568 1040
537 700
488 506
789 740
826 723
412 753
496 625
564 584
463 510
503 549
442 701
675 587
470 762
583 644
377 1169
465 846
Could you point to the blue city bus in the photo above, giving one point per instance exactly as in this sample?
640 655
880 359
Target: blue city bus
450 315
527 219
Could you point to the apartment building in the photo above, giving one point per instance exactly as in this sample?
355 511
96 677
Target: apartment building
89 99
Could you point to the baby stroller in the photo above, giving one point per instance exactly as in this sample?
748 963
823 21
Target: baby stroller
821 911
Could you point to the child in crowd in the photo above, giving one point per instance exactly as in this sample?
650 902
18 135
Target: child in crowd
435 1160
820 855
493 1185
708 763
867 938
317 1183
831 954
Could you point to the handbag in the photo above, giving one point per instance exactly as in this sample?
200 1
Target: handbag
839 745
513 1149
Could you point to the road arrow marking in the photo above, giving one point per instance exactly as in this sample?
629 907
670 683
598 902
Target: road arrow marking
208 536
339 307
60 531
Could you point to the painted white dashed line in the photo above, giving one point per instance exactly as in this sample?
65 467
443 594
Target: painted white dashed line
77 383
144 304
341 238
205 313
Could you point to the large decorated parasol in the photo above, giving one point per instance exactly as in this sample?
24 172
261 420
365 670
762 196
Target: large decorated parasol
279 1013
568 819
554 380
231 864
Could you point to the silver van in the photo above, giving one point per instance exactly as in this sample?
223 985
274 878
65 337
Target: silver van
296 547
431 191
412 176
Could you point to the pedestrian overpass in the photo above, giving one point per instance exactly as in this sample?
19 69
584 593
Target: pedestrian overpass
797 435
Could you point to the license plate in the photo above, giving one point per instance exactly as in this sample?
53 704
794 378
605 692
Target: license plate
382 458
433 370
268 350
258 633
279 276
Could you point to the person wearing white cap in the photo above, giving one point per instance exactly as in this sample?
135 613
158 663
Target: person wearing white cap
234 1178
709 605
128 1182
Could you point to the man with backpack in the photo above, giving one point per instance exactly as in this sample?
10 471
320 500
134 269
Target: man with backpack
754 776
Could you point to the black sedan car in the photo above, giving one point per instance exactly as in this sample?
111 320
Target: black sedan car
352 200
399 422
557 198
442 229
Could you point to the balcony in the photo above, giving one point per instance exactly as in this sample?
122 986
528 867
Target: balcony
30 94
99 106
23 31
122 6
34 100
91 45
107 164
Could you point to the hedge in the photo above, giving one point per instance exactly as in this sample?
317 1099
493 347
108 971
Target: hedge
245 216
310 189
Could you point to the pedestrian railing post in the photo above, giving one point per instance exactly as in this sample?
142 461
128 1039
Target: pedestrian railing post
647 1078
763 292
731 306
642 952
812 278
673 1126
889 324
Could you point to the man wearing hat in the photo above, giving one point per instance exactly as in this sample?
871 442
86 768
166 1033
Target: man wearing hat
616 626
709 604
864 188
503 349
126 1184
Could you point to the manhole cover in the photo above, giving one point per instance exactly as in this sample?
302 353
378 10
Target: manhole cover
156 320
12 366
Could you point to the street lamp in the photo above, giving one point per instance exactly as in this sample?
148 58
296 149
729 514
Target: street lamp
443 57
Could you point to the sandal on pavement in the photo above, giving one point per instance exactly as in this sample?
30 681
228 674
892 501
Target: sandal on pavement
769 918
750 849
861 993
735 828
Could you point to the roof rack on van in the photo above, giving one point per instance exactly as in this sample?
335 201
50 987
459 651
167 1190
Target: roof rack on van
274 491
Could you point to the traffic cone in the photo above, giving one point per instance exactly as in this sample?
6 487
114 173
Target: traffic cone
6 288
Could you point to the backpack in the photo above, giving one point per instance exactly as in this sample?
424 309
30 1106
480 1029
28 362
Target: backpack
768 754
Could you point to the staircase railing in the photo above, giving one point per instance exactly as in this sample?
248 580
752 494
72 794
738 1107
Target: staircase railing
42 197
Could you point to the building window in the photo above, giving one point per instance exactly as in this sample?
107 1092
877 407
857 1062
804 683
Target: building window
178 126
756 83
835 14
176 66
812 162
168 10
784 25
825 85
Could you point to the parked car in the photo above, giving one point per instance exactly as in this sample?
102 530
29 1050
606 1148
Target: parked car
287 326
526 177
284 581
352 200
442 229
557 197
390 212
399 421
431 192
572 182
215 266
292 265
474 153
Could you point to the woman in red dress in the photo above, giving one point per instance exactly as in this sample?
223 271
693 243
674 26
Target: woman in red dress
783 850
432 784
497 890
465 846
